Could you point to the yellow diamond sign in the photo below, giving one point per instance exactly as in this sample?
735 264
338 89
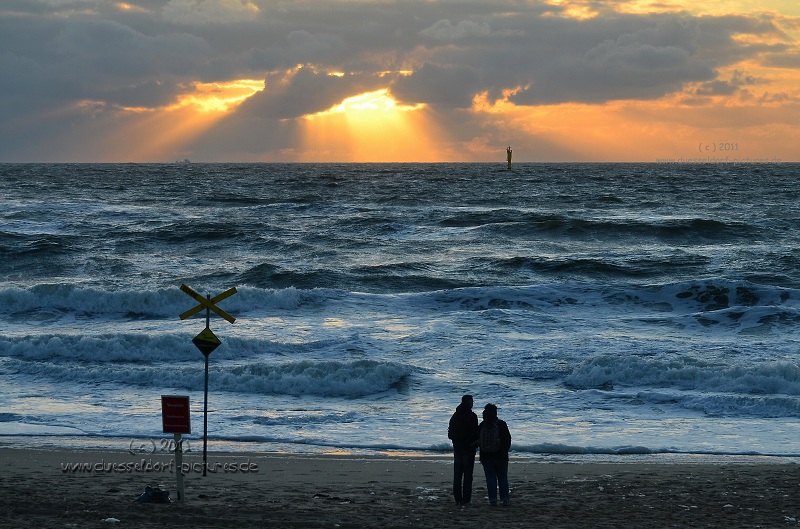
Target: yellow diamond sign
206 341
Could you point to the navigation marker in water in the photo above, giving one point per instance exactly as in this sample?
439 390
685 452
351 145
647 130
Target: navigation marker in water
207 341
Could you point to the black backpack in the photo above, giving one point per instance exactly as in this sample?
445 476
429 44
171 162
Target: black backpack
490 438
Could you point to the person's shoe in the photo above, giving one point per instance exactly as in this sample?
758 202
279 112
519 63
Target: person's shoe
493 504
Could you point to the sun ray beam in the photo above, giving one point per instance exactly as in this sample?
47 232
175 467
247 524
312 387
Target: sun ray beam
372 127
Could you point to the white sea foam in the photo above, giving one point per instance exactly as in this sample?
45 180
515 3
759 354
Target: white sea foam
615 310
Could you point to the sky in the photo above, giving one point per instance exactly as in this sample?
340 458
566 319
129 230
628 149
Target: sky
399 81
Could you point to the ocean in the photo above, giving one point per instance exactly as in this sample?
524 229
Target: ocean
609 310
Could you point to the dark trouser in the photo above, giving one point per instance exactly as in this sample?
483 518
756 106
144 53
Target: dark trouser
496 477
463 463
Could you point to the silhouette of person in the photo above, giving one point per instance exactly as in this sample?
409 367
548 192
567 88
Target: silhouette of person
463 431
495 459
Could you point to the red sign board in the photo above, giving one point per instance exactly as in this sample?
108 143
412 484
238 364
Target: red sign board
175 414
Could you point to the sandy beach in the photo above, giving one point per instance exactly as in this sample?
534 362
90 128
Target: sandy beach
82 488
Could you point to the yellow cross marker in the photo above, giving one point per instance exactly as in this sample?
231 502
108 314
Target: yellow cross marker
206 303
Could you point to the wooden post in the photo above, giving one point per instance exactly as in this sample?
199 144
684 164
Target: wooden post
205 421
205 396
179 466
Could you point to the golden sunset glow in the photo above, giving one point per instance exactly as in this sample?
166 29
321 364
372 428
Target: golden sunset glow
787 7
574 9
560 80
583 9
159 133
142 135
219 97
367 107
636 131
125 6
371 126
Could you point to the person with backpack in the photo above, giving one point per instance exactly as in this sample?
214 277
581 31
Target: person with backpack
463 431
495 442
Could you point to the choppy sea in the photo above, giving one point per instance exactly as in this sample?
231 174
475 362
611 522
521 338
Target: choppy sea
618 310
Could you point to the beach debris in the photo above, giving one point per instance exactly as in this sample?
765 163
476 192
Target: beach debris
426 494
154 495
111 520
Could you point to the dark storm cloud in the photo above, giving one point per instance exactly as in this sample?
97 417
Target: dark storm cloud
726 87
439 85
621 63
81 58
110 52
304 92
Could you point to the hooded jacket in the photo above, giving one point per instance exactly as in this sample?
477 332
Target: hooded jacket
463 429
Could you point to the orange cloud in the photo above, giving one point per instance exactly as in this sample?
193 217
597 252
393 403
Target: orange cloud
651 131
747 112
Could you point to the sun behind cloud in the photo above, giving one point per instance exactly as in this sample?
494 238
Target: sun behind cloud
370 127
219 97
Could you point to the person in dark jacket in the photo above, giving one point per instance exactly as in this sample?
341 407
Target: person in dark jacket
495 458
463 431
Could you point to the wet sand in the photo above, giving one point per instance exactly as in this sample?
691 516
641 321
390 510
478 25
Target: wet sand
43 489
